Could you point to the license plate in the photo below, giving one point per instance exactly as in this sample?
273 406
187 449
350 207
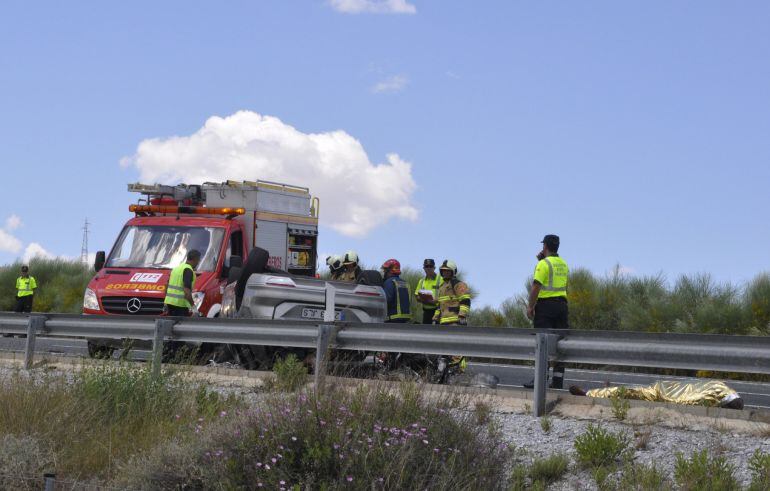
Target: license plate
318 314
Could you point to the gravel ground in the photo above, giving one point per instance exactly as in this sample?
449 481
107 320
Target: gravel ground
525 433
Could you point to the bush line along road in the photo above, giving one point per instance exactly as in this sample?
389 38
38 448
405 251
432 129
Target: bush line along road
614 302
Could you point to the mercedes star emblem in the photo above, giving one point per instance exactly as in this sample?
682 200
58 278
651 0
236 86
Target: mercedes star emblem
133 305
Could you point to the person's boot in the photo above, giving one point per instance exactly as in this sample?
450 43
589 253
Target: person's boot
576 391
557 382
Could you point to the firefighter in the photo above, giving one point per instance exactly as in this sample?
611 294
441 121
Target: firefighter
454 297
351 270
431 282
396 292
454 304
179 300
25 291
335 266
547 305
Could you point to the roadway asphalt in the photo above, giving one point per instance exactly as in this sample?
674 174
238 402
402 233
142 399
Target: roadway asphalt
754 394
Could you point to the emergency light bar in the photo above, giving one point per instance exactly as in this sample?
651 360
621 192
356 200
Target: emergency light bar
195 210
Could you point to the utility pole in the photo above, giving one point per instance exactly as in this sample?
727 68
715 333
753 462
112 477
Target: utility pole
84 247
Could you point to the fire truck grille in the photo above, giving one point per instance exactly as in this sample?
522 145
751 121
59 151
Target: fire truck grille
130 306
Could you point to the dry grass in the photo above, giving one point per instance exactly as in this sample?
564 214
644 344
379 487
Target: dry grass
93 418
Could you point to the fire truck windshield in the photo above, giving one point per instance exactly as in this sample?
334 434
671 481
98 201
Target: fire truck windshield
166 247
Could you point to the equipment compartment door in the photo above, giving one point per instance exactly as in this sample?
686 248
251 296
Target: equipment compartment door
272 236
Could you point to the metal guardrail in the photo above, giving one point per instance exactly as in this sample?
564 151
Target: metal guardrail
747 354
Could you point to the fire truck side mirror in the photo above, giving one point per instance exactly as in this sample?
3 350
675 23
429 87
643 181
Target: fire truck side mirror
99 261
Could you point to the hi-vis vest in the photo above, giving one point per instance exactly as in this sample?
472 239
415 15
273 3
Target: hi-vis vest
428 284
25 286
175 289
454 301
552 272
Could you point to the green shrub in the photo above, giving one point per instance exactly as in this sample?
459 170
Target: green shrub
617 301
758 300
704 472
545 423
519 478
549 469
619 404
290 374
598 447
759 465
641 477
362 439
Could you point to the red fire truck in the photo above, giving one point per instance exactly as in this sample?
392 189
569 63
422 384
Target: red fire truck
224 221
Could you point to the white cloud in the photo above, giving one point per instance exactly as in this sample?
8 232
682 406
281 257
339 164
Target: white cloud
356 195
373 6
35 250
9 243
12 222
395 83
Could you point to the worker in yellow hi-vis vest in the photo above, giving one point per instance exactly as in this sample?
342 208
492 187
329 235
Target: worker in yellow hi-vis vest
25 291
427 290
548 297
179 300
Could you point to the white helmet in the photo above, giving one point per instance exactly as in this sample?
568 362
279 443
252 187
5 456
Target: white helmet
351 257
450 265
334 261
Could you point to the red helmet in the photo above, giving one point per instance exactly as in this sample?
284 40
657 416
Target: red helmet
392 265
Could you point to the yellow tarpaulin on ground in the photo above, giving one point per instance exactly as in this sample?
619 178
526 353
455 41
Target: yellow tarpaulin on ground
706 393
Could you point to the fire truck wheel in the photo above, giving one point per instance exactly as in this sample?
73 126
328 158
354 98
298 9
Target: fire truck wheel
370 277
255 264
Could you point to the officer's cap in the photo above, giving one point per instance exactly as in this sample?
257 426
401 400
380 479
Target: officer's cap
551 241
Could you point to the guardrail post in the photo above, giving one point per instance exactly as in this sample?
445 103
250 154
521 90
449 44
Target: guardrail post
321 355
324 338
35 323
545 347
163 328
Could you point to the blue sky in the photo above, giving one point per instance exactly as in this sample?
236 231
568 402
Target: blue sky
636 131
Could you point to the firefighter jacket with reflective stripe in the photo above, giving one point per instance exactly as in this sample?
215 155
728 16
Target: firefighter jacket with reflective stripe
428 284
25 286
454 302
552 272
351 276
397 294
175 289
